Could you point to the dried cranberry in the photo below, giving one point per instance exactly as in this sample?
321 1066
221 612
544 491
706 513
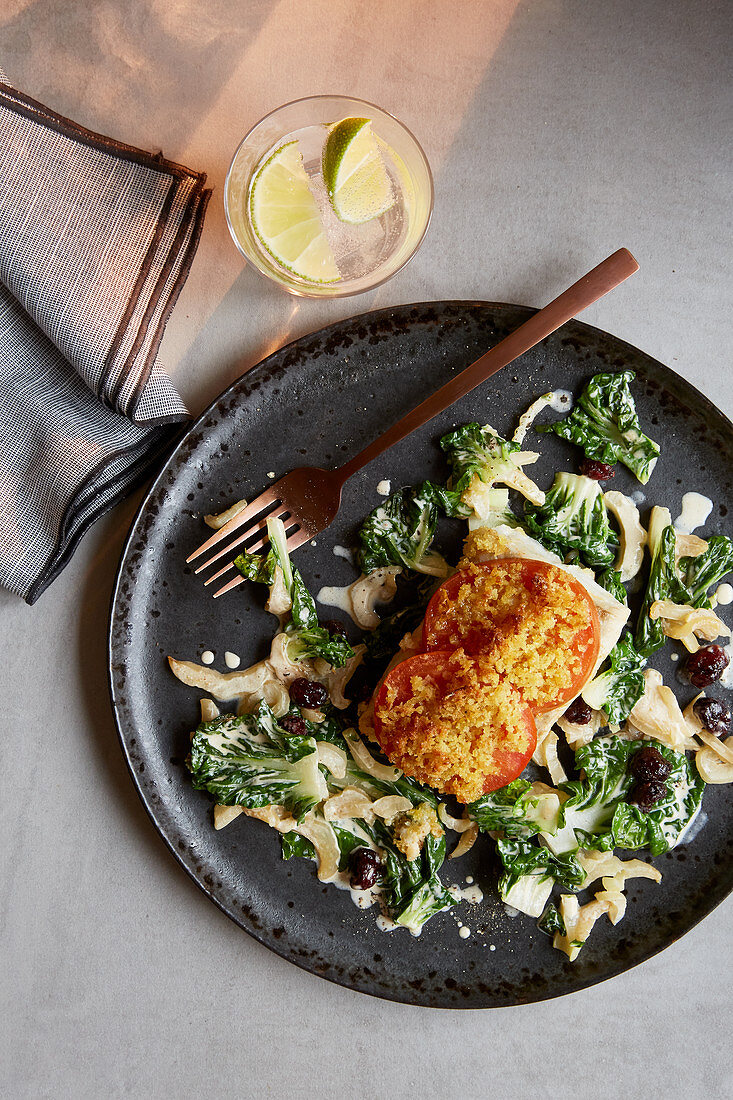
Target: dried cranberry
648 763
714 715
647 793
293 725
308 693
599 471
365 867
579 713
333 626
706 665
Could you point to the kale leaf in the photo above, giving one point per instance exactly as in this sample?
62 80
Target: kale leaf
573 517
250 761
527 857
516 811
606 425
600 813
610 580
702 572
621 684
664 583
473 451
400 531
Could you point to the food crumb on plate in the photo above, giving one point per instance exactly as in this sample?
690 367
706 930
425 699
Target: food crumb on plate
271 474
384 487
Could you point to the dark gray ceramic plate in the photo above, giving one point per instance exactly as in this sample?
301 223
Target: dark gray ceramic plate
318 401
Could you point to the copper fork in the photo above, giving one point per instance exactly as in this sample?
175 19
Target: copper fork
308 498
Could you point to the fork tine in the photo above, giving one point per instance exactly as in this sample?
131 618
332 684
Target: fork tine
277 511
264 500
228 587
250 550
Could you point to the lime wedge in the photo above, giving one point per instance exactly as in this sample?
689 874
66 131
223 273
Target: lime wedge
286 219
354 172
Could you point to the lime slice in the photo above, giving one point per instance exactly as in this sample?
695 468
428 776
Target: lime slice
354 172
285 217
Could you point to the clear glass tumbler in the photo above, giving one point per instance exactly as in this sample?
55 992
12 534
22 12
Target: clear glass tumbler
362 256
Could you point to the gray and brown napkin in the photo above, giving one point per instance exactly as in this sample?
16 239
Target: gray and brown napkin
96 241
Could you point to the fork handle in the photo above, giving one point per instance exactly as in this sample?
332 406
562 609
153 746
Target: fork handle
608 274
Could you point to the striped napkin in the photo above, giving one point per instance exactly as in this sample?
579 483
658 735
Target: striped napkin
96 241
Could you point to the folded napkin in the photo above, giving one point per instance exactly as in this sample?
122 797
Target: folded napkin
96 241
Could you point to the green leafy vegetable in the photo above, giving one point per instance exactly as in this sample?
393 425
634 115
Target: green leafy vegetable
551 922
527 857
663 584
610 580
598 810
574 517
606 425
702 572
400 531
382 643
293 844
317 642
412 889
515 811
308 640
256 567
617 689
250 761
476 452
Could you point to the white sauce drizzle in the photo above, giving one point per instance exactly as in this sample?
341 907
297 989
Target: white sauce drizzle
695 510
232 660
344 552
560 400
724 594
207 657
464 932
337 596
674 656
693 827
638 497
471 894
385 487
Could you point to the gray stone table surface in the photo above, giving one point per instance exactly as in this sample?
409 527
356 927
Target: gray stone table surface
558 130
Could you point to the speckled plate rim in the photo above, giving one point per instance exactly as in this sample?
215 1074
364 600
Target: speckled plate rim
714 897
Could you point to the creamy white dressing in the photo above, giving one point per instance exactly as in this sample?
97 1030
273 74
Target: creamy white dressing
384 487
695 510
674 656
693 827
344 552
232 660
386 924
337 596
471 894
464 932
724 594
560 400
207 657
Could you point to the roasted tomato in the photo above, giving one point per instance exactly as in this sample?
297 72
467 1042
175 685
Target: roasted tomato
532 621
453 723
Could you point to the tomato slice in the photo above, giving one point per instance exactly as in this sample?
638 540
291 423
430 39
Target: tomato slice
453 723
533 621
